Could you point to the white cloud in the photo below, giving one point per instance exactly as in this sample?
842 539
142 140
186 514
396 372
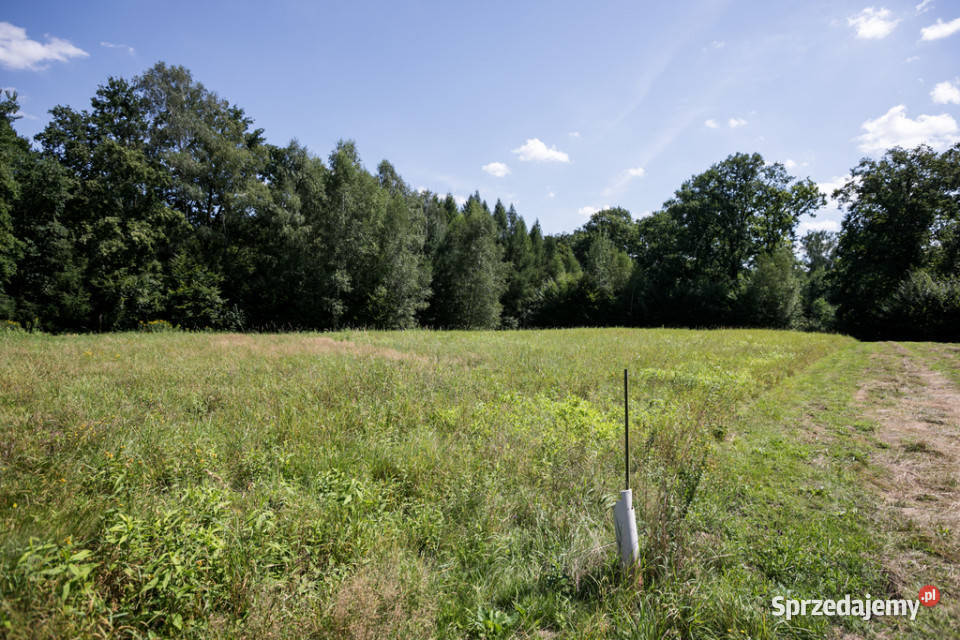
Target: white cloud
496 169
551 195
623 178
894 129
924 6
25 115
733 123
945 93
941 29
912 59
793 164
711 123
533 150
19 52
574 134
873 23
817 225
589 211
718 44
831 185
112 45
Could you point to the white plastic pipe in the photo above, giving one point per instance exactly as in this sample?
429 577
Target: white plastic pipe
626 524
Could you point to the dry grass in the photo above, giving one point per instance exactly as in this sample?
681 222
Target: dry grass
918 475
383 601
316 345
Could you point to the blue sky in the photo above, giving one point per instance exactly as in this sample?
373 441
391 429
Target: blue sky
559 107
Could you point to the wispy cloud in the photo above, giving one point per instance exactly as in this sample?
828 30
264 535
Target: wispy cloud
924 6
873 23
624 178
533 150
496 169
895 129
113 45
733 123
20 53
711 123
574 134
946 93
940 29
667 135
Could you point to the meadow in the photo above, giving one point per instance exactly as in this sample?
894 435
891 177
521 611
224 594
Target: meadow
423 484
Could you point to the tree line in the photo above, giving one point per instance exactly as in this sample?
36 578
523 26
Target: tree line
162 201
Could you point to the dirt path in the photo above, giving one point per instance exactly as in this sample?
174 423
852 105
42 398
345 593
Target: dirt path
917 477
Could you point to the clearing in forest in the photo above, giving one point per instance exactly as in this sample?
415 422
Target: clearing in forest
460 484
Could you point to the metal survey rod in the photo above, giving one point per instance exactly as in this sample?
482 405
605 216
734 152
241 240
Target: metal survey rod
626 433
623 515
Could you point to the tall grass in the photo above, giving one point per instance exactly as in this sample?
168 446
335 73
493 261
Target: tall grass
373 484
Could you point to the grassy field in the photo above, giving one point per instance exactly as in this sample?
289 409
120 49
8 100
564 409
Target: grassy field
424 484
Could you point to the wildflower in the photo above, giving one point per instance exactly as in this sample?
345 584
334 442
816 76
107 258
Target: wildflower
63 479
14 505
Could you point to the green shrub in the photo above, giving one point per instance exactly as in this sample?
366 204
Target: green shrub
157 326
924 308
10 325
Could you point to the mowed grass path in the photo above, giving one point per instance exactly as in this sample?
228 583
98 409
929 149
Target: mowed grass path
421 484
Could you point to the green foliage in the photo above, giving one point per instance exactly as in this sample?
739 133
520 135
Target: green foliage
771 293
168 572
11 149
709 236
157 326
193 296
819 257
616 225
923 307
902 215
469 277
50 568
162 200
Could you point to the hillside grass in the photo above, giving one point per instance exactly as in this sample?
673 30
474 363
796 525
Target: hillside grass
428 484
